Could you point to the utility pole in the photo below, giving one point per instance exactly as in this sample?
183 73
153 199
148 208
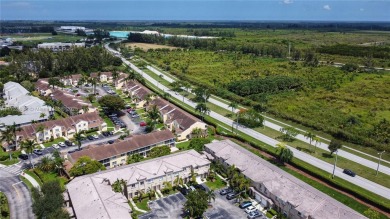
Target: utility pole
334 166
379 162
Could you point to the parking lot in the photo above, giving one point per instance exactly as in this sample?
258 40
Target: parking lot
167 207
224 209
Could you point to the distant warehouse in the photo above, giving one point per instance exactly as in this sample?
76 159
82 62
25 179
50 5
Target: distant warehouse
59 46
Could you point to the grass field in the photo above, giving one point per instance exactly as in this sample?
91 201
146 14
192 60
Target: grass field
33 38
147 46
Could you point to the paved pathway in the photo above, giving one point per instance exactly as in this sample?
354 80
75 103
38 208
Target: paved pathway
18 195
268 122
15 169
31 180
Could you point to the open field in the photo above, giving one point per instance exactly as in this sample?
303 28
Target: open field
147 46
34 38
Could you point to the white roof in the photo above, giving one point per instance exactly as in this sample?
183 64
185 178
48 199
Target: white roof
303 197
92 197
31 107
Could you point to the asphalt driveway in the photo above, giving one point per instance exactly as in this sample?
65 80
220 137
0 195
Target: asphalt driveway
167 207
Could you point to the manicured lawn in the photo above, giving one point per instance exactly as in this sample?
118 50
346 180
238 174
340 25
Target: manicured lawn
28 184
143 205
9 162
183 145
217 184
108 121
49 176
33 175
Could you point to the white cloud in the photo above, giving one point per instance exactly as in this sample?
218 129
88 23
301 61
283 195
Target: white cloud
288 1
327 7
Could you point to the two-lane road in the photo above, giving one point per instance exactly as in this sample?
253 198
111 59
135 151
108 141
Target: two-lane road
18 195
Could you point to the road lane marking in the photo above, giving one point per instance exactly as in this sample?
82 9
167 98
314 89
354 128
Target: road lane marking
17 191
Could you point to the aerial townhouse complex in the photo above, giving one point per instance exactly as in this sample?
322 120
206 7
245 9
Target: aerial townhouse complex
113 155
177 120
72 104
273 187
65 127
32 108
91 196
138 93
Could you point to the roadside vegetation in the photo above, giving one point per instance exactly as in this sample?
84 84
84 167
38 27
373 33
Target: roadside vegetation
4 209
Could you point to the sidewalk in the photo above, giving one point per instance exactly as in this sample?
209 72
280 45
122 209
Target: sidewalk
135 206
30 179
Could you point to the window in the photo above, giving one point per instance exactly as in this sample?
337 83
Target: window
141 183
132 185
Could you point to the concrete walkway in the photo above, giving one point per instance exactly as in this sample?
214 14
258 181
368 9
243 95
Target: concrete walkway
30 179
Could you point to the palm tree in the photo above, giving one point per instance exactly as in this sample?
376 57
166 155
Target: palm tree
7 136
210 195
166 95
285 154
42 115
29 145
154 114
310 136
316 140
202 109
46 164
85 108
117 186
115 75
78 137
178 181
197 132
234 106
58 162
140 193
94 83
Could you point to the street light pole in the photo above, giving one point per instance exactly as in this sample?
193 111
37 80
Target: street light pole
379 162
334 166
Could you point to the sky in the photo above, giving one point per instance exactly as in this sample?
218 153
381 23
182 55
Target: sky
267 10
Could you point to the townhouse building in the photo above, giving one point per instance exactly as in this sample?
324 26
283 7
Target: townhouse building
181 123
91 196
102 76
72 104
71 80
273 187
32 108
138 93
65 127
113 155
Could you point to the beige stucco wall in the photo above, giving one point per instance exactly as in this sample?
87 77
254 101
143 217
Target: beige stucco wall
183 135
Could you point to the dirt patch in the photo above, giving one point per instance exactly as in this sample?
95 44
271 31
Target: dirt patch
147 46
269 156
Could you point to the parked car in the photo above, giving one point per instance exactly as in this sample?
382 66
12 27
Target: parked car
62 144
90 137
184 191
68 143
245 204
231 196
250 209
77 95
105 134
37 151
23 156
123 126
349 172
128 107
192 188
142 124
134 116
254 214
55 146
226 191
95 136
110 141
198 186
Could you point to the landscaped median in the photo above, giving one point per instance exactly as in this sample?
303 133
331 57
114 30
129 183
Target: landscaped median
366 196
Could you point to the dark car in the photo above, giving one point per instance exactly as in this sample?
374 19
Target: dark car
68 143
226 191
198 186
245 204
349 172
184 191
90 137
23 156
231 196
123 126
111 141
105 134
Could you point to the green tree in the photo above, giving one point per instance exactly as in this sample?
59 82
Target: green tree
289 133
197 203
28 85
112 103
159 151
250 118
78 137
202 109
134 158
91 98
198 144
85 165
29 145
46 164
284 153
311 136
48 202
334 145
210 195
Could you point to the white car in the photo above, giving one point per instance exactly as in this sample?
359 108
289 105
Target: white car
62 144
55 146
95 136
250 209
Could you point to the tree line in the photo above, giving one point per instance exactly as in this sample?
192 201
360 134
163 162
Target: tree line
43 63
270 84
381 52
